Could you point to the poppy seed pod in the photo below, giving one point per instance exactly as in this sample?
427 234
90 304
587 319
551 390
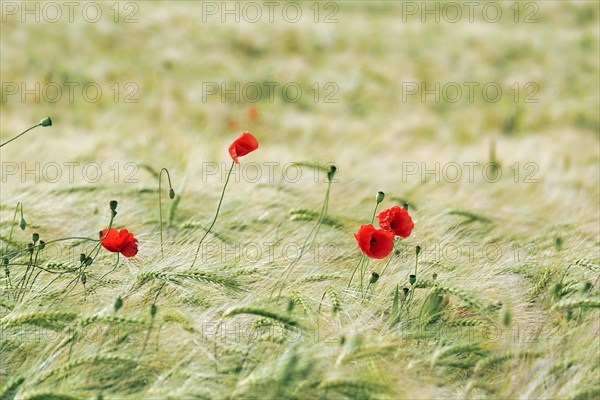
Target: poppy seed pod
171 194
82 258
23 224
405 291
42 245
5 261
113 205
35 237
374 277
418 250
30 247
46 122
405 206
118 303
380 196
412 279
434 276
89 261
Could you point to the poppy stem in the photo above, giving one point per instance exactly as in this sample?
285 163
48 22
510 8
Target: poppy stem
160 205
216 214
311 237
12 226
374 212
360 260
392 256
20 134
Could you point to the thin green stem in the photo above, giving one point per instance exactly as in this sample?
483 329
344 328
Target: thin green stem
160 215
312 235
216 214
20 134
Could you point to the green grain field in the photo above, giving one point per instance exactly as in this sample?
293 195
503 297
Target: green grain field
484 118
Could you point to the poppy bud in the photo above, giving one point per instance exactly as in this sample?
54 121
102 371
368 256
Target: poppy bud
46 122
380 197
405 291
374 277
82 258
89 261
42 245
23 224
586 287
83 278
418 250
557 290
153 310
30 247
171 194
412 279
35 237
331 172
113 205
118 303
506 317
558 243
405 206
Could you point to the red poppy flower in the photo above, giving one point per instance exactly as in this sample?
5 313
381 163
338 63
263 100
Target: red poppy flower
397 220
243 145
375 243
120 242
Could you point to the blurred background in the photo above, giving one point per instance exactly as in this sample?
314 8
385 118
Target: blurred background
482 116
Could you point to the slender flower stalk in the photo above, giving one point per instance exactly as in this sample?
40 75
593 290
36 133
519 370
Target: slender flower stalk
312 235
160 215
363 261
45 122
216 214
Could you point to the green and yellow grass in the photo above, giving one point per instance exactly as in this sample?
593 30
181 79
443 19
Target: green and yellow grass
514 324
